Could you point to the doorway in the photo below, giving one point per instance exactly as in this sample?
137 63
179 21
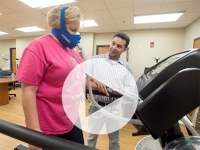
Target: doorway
102 49
13 65
196 43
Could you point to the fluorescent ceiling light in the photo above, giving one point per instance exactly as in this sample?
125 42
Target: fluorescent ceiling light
156 18
46 3
2 33
29 29
89 23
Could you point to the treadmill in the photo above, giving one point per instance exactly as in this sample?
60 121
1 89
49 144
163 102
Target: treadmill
169 90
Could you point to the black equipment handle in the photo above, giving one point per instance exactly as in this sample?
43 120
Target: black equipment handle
113 94
44 141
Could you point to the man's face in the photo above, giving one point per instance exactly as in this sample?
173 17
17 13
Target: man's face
117 47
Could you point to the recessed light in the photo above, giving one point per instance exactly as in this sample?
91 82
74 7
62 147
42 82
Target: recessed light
2 33
45 3
89 23
157 18
29 29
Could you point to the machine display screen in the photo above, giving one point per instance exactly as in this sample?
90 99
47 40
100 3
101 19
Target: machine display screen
165 69
165 63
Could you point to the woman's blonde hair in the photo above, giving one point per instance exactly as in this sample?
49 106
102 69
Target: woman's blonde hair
71 14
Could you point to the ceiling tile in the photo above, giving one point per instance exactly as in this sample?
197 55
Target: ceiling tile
6 18
92 5
109 28
86 16
122 13
94 29
179 24
14 5
143 26
175 7
152 9
37 13
195 7
173 1
162 25
45 10
18 16
8 25
125 27
147 2
104 22
100 14
110 15
42 20
124 21
28 23
190 16
4 28
5 10
84 30
112 4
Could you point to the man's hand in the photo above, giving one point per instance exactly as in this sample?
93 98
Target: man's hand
100 86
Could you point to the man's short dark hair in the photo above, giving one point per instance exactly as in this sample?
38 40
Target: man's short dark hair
124 37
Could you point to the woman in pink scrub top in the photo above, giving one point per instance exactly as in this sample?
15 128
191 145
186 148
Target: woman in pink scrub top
44 66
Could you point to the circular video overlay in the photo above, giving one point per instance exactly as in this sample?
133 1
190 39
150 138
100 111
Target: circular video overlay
100 114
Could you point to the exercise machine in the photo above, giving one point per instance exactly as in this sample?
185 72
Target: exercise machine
169 90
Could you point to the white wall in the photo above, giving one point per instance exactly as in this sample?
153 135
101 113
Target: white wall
5 46
191 32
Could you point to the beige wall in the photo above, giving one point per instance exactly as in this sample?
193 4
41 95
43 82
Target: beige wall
5 46
21 43
167 42
191 32
87 40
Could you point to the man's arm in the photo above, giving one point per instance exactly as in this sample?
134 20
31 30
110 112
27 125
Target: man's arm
97 85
